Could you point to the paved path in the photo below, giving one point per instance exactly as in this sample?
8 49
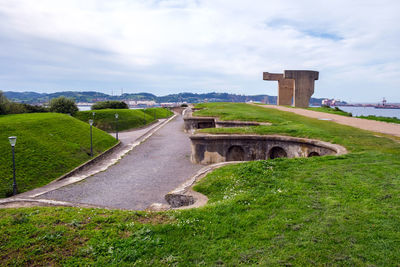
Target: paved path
369 125
144 176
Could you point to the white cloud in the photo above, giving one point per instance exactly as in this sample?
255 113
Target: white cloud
203 44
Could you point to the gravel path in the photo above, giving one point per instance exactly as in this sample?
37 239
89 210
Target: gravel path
144 176
369 125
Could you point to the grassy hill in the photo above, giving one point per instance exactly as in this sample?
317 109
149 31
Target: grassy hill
332 210
128 118
48 145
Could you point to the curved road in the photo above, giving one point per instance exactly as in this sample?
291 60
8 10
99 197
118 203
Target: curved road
144 176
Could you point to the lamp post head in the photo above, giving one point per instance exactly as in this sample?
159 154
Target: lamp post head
91 122
116 115
13 140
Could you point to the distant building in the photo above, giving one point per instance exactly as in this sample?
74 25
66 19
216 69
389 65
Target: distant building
329 102
141 103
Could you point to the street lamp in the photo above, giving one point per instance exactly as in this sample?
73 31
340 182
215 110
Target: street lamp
116 126
144 116
93 113
155 114
13 140
91 138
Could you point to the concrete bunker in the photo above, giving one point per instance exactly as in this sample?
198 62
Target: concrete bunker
313 154
215 148
235 153
195 123
277 152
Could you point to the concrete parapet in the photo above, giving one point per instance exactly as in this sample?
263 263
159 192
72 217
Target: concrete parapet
208 148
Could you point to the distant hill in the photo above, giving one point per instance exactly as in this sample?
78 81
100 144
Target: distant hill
33 97
91 96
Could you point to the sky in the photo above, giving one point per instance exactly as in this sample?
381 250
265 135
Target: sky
172 46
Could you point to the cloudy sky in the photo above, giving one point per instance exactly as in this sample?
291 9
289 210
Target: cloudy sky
171 46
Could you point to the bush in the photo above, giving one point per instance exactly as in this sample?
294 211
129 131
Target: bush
9 107
110 104
34 108
63 105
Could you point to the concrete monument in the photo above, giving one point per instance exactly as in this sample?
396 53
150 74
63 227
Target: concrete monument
295 86
285 87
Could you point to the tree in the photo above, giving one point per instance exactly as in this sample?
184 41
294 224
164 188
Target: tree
3 104
63 105
109 104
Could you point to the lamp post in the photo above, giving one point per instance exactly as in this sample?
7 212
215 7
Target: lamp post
144 116
93 114
91 138
155 114
116 126
13 140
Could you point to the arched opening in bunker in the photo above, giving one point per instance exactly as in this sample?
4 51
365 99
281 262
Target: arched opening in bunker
235 153
277 152
313 154
203 125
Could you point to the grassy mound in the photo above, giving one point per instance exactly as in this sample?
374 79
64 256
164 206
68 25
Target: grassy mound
48 145
331 210
128 118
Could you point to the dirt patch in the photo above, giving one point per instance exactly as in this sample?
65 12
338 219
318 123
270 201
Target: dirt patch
155 219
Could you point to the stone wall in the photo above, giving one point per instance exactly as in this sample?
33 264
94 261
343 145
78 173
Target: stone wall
194 123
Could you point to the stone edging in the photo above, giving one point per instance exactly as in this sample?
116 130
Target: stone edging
88 163
29 202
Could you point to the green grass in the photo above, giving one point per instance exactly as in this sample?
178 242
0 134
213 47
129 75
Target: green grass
331 210
48 145
379 118
128 118
330 110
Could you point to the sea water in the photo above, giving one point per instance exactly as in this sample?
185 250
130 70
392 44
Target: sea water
366 111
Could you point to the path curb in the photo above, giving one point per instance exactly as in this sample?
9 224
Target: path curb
88 163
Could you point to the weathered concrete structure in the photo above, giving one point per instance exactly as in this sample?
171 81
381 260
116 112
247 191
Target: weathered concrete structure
208 149
294 86
194 123
303 85
285 87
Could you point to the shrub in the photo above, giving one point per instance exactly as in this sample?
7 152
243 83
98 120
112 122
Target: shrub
34 108
3 103
110 104
9 107
63 105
